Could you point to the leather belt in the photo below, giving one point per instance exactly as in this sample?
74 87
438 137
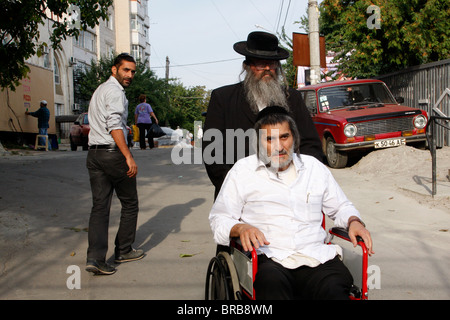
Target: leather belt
108 147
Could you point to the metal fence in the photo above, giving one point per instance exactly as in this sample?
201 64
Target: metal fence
422 86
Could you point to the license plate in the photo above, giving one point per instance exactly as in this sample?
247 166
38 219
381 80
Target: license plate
388 143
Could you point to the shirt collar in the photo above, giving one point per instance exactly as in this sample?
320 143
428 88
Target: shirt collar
297 160
114 80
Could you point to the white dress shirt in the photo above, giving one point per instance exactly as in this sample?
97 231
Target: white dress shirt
289 215
108 110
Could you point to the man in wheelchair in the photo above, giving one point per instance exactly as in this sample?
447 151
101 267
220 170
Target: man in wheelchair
274 201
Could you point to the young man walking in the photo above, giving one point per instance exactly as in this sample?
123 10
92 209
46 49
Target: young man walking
111 168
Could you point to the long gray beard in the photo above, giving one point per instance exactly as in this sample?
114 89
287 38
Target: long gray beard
264 93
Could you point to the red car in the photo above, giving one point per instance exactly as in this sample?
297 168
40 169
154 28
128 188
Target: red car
79 132
361 114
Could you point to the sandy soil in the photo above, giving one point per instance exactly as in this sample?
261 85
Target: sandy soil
409 170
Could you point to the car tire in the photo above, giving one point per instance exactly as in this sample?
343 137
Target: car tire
73 146
85 143
336 159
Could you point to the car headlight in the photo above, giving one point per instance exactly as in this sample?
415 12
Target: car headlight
420 121
350 130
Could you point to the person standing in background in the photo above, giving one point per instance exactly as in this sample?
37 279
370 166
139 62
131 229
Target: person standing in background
142 118
43 115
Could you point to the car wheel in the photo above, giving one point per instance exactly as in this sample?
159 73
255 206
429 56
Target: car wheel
73 146
84 142
335 158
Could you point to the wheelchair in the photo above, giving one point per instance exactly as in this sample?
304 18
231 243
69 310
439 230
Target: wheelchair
231 272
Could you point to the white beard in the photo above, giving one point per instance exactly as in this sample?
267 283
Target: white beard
263 93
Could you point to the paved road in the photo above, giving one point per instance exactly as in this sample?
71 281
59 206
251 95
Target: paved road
44 207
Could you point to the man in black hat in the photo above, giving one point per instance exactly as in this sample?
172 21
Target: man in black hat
236 106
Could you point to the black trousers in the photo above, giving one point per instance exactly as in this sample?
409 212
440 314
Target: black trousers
107 173
143 132
328 281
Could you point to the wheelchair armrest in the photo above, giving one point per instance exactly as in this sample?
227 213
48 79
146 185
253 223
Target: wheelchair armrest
251 260
343 234
236 243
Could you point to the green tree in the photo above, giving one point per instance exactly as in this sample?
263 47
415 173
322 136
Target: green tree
173 104
412 32
289 69
187 105
19 33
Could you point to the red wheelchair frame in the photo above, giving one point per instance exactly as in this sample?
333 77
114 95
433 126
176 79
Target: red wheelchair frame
225 282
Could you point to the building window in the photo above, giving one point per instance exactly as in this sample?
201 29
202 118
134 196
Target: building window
137 23
59 109
136 51
56 72
90 42
87 40
134 22
109 50
47 60
109 22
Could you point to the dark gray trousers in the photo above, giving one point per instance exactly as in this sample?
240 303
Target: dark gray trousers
108 173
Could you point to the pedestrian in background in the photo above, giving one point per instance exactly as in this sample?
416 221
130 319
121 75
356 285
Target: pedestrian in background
142 118
111 168
43 116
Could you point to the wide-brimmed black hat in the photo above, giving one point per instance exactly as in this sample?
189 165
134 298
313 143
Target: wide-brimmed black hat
261 45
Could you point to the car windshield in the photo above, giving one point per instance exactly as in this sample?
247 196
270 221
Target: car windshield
345 96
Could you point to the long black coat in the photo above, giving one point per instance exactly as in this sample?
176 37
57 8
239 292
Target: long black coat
229 109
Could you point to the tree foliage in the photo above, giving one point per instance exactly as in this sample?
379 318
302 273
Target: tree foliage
173 104
412 32
19 30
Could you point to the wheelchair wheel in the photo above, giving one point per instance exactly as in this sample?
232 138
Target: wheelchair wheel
222 282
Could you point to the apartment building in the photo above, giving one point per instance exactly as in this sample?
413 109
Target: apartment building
126 30
132 32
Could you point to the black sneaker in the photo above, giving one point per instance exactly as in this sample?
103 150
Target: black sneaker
99 267
133 255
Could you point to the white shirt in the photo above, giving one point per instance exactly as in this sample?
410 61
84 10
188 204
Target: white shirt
290 215
108 110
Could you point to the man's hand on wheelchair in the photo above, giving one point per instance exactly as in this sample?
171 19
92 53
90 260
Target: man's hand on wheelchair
357 228
250 236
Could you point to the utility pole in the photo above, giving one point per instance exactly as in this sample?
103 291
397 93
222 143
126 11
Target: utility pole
314 46
167 68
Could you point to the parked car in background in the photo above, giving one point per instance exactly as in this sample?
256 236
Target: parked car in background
79 132
170 138
361 115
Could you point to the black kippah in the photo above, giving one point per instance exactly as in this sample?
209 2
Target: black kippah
271 110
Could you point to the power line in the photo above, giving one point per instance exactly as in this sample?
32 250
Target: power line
196 64
287 11
279 15
229 26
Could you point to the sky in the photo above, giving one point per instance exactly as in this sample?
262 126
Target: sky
198 35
